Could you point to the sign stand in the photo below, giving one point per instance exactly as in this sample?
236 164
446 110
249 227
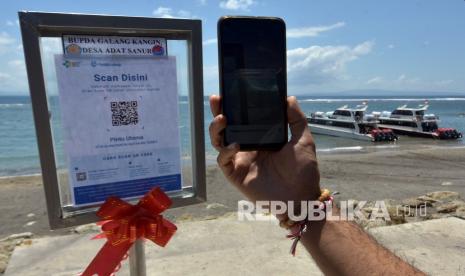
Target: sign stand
37 28
137 259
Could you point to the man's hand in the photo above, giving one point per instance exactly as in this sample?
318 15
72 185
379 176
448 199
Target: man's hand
289 174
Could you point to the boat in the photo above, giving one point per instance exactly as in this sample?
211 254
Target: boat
349 123
413 121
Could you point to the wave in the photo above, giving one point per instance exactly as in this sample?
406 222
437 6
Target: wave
329 100
354 148
20 173
187 102
380 99
11 105
357 148
384 146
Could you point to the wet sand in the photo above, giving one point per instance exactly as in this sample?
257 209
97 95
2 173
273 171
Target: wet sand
395 174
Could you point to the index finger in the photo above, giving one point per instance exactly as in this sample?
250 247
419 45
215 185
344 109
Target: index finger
297 121
215 105
296 118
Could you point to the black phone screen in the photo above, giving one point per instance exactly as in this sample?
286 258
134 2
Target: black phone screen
252 53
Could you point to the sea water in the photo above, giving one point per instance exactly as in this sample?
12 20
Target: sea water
19 152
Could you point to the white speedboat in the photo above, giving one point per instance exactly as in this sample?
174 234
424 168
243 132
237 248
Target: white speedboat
349 123
414 122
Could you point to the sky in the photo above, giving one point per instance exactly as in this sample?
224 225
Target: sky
396 45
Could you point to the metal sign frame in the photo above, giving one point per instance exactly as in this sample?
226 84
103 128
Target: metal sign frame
35 25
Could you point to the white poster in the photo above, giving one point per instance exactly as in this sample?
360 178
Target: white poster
93 45
120 121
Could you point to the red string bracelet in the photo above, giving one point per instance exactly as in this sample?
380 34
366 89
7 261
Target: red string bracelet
297 229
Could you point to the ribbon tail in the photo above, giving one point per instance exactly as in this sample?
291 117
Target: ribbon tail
107 259
99 236
162 233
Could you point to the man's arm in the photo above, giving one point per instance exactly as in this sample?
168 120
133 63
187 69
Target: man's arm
291 174
343 248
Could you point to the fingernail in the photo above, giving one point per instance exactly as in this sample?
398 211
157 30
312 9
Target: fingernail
233 146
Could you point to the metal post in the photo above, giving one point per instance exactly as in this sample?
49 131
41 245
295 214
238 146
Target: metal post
137 259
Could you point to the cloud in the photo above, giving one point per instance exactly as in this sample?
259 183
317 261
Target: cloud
10 23
319 64
403 79
405 83
6 42
166 12
374 80
12 68
237 4
6 39
163 12
391 46
210 41
13 78
17 63
443 83
402 82
202 2
184 14
312 31
4 77
406 80
210 79
363 48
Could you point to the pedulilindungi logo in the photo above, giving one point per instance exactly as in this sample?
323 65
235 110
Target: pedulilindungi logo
69 63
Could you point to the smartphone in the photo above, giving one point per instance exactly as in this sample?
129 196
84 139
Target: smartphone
253 81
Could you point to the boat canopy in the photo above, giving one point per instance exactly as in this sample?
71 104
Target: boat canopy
420 107
360 107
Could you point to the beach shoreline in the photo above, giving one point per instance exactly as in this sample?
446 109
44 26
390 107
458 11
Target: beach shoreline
362 176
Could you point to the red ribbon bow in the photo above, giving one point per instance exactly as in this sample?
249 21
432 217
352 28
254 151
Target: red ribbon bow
125 223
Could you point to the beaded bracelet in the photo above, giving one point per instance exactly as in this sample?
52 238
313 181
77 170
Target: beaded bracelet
298 228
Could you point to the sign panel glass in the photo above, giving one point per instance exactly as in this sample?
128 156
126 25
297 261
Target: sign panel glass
120 125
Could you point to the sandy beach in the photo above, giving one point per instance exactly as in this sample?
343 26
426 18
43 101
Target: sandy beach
396 174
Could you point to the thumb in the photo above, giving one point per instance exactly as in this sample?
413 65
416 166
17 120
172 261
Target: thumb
296 118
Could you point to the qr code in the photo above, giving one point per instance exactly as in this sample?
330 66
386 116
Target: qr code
81 176
124 113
